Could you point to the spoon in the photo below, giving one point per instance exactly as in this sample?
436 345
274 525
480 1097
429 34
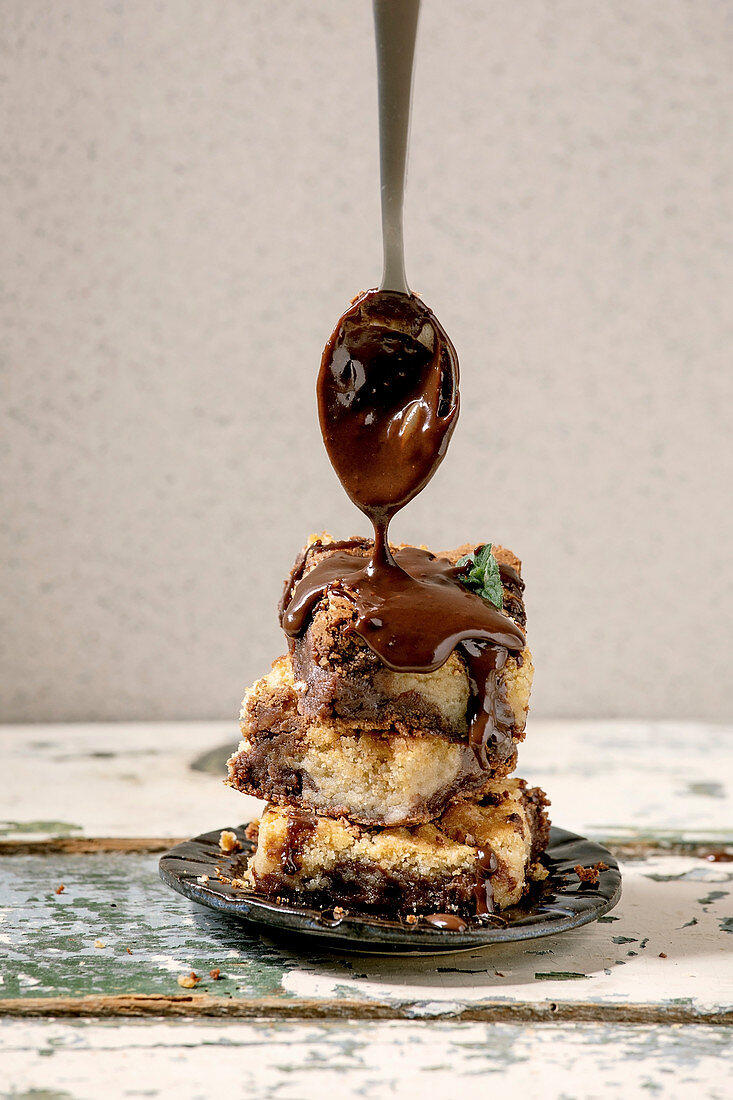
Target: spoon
395 28
388 385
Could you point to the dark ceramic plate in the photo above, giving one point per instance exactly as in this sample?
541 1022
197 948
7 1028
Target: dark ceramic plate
561 902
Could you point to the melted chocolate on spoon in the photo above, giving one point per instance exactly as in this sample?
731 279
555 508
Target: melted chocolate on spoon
388 403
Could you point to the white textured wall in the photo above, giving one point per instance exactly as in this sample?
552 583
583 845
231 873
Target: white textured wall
188 200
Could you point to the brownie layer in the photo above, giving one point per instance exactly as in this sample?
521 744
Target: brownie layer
339 677
373 778
441 866
361 884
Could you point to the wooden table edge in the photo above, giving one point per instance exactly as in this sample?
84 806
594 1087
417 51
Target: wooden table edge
203 1005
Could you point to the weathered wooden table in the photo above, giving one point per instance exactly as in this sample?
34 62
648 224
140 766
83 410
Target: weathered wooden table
92 943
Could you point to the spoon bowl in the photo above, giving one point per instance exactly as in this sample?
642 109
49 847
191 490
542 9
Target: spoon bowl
387 399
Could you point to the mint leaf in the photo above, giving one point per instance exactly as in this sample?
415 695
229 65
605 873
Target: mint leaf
481 575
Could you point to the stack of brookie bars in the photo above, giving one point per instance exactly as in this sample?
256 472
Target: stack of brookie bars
377 800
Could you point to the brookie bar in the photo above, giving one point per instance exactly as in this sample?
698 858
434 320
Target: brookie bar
373 777
338 676
476 857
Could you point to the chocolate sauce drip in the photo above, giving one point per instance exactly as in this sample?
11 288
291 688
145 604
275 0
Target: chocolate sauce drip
491 718
301 824
446 920
483 891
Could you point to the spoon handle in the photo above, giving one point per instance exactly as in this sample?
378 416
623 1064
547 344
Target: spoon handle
395 25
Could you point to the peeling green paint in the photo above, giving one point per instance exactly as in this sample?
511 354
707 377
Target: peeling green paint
666 878
119 900
706 790
52 828
714 895
37 1094
704 873
611 835
374 1059
559 976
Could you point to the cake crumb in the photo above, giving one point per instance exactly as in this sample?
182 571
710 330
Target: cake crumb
127 949
228 841
411 918
252 831
188 981
590 874
662 955
60 888
98 943
202 879
215 974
